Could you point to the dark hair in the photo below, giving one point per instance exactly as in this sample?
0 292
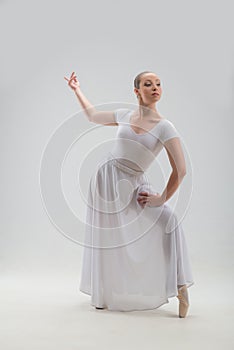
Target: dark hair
138 79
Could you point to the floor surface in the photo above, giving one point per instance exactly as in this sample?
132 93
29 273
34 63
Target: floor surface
50 313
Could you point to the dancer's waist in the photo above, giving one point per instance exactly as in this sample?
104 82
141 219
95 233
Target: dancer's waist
126 165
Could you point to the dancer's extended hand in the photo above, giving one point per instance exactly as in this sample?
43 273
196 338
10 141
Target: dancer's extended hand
149 199
73 82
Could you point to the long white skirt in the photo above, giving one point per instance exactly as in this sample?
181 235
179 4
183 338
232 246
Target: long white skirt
134 258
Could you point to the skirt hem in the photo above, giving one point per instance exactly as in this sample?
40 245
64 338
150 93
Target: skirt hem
166 301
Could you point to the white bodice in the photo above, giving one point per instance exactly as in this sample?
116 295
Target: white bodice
138 151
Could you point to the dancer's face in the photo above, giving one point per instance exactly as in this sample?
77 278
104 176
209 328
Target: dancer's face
150 88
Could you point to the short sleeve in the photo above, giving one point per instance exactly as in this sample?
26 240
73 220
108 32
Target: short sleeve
168 131
120 113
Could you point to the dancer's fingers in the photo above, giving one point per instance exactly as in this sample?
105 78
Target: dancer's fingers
73 78
144 193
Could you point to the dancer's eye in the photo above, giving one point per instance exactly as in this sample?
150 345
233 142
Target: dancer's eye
148 84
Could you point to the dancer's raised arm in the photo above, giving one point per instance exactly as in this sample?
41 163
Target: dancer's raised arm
94 116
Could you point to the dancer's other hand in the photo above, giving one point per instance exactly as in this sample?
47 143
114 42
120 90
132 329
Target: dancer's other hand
149 199
73 82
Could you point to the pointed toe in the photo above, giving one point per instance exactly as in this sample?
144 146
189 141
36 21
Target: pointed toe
183 301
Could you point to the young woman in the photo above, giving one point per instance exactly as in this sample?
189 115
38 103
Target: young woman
135 255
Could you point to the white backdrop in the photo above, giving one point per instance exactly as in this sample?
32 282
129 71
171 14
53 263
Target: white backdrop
188 44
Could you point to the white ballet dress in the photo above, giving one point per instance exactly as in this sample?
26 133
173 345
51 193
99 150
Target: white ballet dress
134 258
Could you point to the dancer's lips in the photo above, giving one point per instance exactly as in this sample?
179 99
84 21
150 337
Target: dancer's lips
155 94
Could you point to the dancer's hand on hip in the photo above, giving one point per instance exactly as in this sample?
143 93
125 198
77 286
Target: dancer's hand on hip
149 199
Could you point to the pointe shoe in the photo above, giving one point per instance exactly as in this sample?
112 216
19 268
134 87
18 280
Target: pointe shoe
184 301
